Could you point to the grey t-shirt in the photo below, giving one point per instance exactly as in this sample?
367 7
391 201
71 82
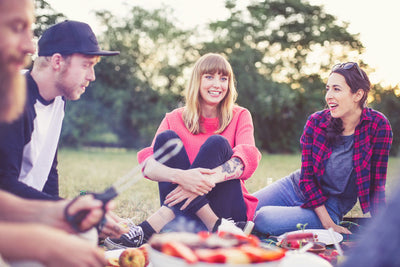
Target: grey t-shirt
339 178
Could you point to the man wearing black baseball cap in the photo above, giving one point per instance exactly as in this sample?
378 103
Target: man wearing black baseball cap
68 52
71 37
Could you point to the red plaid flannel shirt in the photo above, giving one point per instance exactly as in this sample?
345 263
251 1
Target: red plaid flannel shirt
372 141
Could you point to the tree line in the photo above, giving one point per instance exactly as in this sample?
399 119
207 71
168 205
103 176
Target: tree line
281 52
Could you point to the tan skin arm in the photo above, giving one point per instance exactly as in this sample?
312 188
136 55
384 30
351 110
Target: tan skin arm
327 221
47 245
51 213
193 180
232 169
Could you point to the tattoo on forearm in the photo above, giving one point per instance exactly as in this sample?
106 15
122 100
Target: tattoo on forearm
232 168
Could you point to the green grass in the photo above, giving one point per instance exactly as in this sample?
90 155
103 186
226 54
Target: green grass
96 169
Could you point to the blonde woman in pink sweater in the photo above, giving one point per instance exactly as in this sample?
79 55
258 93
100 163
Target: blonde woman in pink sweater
204 183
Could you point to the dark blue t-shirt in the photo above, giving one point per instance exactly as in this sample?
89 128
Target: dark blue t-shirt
28 147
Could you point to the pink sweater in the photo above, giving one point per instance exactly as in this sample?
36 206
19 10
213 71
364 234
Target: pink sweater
239 133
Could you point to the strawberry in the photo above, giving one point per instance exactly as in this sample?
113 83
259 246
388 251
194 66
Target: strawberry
203 234
254 253
272 254
293 244
180 250
250 239
258 254
211 255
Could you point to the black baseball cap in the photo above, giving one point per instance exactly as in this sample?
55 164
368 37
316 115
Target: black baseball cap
69 37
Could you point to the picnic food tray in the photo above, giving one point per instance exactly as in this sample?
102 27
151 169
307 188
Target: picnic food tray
320 235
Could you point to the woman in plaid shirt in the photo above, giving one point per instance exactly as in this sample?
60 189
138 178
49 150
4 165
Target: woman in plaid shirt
345 151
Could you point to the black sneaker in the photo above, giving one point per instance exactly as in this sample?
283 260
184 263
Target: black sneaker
133 239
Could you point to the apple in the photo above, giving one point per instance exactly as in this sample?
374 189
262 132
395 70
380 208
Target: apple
132 257
113 262
145 249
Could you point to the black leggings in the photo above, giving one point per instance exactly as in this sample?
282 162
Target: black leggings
225 199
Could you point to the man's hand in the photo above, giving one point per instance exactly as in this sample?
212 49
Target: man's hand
47 245
95 208
53 212
63 249
113 227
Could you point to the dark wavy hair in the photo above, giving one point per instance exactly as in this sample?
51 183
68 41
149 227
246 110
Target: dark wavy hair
355 81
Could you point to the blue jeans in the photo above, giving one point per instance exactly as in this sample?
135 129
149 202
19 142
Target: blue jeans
225 199
279 210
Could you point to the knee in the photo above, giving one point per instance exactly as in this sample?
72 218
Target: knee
217 142
164 136
215 151
167 135
262 218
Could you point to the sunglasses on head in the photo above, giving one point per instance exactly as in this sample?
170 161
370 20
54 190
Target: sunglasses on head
348 66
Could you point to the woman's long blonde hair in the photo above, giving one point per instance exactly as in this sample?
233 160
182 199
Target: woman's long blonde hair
209 63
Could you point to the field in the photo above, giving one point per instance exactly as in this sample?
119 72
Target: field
94 169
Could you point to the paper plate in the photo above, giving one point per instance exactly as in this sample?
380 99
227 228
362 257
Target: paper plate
322 235
159 259
113 253
306 259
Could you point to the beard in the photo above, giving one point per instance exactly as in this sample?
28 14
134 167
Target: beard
12 87
12 94
64 86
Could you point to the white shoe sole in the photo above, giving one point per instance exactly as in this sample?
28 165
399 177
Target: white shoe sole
112 245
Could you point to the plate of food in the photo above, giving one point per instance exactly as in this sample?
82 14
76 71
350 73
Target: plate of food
318 235
211 250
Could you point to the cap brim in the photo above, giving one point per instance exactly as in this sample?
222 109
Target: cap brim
102 53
